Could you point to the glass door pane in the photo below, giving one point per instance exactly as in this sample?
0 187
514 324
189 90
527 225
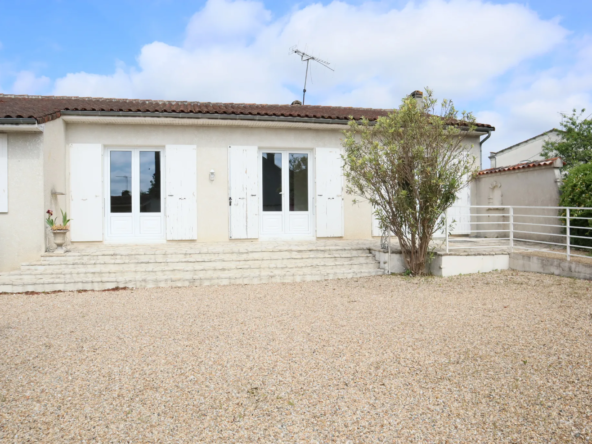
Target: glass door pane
272 181
121 181
298 182
150 182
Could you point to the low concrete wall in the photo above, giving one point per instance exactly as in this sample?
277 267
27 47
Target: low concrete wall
547 265
448 265
397 263
454 265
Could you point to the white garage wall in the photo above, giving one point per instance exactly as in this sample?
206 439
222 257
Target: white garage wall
22 229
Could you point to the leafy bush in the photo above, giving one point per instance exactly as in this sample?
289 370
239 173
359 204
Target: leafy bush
575 143
410 165
576 191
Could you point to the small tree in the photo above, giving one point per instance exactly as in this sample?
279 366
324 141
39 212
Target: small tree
410 166
575 143
576 191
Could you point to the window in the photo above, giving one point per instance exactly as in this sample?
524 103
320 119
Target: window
121 181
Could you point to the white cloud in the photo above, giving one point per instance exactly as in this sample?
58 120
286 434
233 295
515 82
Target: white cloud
533 103
225 22
83 84
236 51
472 51
26 82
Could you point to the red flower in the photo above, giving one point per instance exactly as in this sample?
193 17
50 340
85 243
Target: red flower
50 212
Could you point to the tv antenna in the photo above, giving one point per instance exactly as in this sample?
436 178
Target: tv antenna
307 58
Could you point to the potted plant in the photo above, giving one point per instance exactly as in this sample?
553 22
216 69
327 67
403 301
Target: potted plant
59 231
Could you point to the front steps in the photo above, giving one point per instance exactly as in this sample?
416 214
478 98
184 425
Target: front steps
172 265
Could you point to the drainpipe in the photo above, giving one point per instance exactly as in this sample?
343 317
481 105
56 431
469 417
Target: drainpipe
481 142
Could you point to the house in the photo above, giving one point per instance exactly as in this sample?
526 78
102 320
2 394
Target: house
525 151
143 171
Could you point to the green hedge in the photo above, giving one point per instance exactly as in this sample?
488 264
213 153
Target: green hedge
576 191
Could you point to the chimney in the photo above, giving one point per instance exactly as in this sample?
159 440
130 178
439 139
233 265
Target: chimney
296 103
418 96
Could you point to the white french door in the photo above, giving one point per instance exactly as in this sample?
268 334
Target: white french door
134 195
286 204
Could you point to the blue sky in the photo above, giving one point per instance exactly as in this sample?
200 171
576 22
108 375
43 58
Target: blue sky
514 64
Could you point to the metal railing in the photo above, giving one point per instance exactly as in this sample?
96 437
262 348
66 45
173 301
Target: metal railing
524 229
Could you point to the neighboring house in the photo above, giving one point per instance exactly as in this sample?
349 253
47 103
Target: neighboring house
141 171
526 151
533 184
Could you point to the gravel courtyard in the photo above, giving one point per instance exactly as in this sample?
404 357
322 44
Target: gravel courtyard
504 357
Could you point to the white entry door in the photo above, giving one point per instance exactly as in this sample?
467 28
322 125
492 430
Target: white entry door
134 204
243 199
286 194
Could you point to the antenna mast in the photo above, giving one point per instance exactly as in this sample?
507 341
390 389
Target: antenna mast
307 58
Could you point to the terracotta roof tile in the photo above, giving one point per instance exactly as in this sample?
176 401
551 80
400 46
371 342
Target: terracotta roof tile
521 166
46 108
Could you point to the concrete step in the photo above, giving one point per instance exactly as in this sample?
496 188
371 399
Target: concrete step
233 248
185 274
40 269
174 265
156 260
176 256
160 280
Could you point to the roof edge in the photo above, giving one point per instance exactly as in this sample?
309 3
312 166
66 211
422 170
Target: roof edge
553 162
47 108
128 114
18 121
232 117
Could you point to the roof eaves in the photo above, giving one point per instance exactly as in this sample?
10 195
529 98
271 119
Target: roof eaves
263 118
555 162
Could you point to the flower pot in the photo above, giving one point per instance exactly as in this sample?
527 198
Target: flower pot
59 238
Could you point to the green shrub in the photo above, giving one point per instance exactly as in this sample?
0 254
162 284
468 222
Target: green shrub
576 191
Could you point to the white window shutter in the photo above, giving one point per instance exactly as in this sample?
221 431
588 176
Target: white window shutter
3 173
329 190
86 192
181 192
243 174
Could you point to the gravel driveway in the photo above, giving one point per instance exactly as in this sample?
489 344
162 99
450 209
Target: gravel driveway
503 356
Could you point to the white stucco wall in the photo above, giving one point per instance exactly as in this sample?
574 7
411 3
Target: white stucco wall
534 187
473 146
22 228
54 170
38 163
528 150
212 153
